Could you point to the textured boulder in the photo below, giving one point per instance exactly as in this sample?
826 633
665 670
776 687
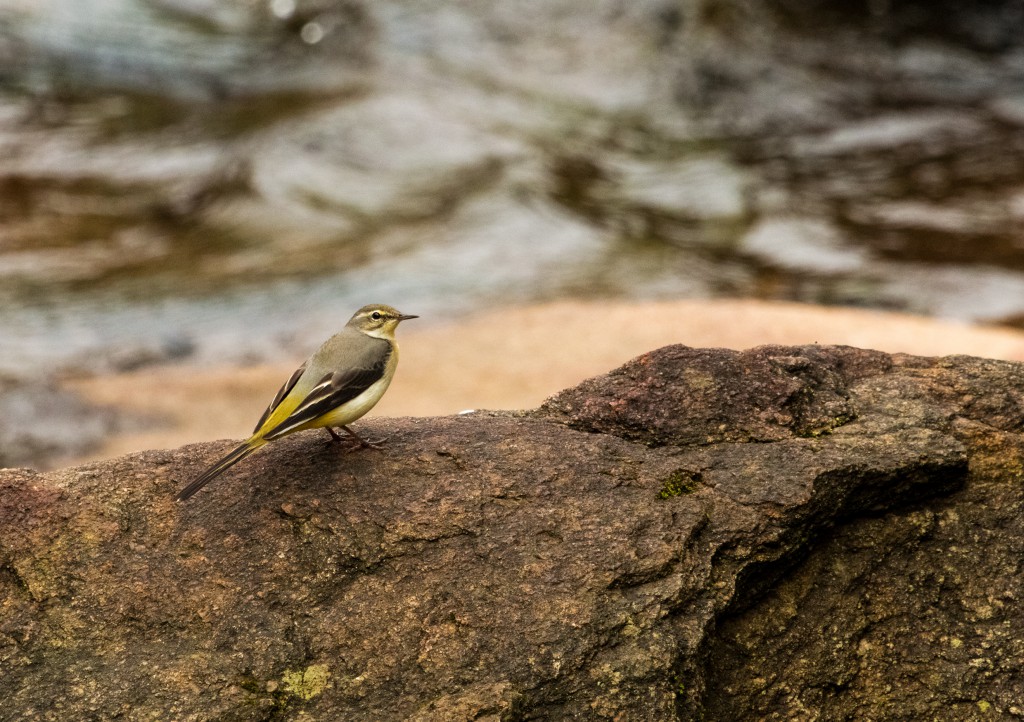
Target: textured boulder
782 533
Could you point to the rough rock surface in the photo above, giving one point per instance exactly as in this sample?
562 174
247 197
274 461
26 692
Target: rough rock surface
782 533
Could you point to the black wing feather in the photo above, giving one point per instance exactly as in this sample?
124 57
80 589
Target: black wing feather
332 391
288 386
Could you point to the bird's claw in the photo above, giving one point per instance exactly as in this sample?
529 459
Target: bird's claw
377 444
361 443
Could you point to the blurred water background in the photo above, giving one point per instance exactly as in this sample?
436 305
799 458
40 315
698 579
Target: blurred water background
225 180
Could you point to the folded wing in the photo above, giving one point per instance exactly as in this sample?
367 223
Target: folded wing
288 386
333 390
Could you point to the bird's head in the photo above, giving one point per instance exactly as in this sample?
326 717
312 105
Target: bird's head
378 320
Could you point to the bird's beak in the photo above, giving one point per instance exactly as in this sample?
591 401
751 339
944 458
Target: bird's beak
406 316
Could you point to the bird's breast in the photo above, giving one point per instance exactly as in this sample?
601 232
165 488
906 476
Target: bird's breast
357 407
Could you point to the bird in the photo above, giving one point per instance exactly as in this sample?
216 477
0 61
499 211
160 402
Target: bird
340 382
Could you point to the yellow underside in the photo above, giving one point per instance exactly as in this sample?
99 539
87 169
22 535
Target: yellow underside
354 409
341 416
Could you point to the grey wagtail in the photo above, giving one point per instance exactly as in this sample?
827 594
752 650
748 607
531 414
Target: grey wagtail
339 383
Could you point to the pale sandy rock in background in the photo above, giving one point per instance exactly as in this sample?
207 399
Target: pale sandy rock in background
513 358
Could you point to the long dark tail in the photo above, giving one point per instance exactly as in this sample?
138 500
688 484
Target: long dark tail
240 452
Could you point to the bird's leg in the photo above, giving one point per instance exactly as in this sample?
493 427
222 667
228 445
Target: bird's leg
363 443
346 447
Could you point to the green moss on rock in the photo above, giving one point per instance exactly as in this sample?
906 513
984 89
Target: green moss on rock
679 482
305 683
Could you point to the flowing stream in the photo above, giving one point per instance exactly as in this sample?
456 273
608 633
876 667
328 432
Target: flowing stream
221 180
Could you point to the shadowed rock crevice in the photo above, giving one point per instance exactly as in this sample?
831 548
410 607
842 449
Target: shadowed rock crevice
700 532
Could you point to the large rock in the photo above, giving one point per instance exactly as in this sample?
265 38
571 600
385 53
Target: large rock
782 533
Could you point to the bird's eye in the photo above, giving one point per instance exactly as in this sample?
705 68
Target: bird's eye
375 315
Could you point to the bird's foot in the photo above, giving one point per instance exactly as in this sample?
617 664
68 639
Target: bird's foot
377 444
361 443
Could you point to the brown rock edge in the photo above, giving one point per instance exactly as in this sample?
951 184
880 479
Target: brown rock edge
780 533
